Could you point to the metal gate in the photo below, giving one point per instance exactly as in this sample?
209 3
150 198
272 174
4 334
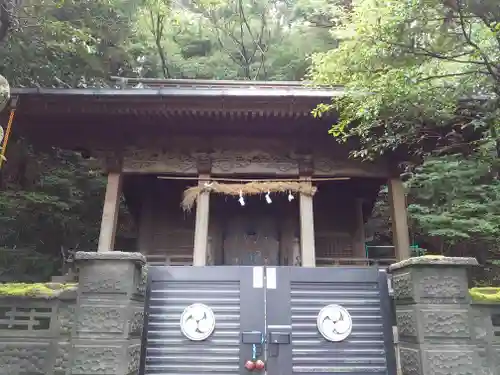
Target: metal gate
282 316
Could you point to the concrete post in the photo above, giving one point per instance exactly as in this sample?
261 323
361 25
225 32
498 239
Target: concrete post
434 316
106 337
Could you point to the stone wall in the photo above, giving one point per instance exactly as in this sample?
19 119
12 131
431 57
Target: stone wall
91 329
487 334
35 334
440 331
95 328
106 336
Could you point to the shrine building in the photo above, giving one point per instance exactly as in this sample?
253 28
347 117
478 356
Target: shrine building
220 172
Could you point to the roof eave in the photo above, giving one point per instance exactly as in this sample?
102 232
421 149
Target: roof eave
186 92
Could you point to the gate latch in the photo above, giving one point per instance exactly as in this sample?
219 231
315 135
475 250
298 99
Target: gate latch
275 340
279 337
256 339
253 337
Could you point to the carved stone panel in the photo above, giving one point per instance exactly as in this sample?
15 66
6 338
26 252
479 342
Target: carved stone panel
453 361
407 322
105 279
403 286
62 360
101 320
96 359
24 358
435 285
444 323
136 321
441 285
411 363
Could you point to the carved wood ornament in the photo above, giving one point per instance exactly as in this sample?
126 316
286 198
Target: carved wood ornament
227 162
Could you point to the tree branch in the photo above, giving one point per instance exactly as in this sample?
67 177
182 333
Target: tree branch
427 53
157 28
468 38
470 72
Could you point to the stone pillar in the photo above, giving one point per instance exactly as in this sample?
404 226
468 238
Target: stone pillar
434 316
106 338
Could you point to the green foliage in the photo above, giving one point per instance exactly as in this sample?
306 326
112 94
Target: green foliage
56 208
244 39
51 202
456 198
26 265
69 44
421 84
405 66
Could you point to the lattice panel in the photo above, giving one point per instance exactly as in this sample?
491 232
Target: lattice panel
333 245
170 260
177 242
25 318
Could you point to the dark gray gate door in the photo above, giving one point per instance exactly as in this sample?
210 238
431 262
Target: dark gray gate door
277 304
238 307
295 296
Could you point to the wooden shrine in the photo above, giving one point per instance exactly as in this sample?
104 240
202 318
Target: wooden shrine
161 140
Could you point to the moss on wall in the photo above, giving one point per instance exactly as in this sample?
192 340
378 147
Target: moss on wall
430 256
35 290
486 294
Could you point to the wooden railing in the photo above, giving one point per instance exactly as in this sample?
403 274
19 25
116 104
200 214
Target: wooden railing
332 262
187 260
169 260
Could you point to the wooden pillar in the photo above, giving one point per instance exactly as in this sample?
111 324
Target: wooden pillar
201 225
307 229
399 216
110 212
145 238
359 235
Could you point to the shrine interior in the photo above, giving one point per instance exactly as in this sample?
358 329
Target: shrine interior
262 229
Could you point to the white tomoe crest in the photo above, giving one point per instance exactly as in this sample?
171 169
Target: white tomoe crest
334 323
197 322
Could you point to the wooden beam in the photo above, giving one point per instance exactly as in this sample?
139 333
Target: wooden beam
307 246
110 212
201 225
399 215
359 235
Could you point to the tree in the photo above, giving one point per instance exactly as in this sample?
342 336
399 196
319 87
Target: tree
407 67
456 200
68 43
244 39
52 200
422 84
